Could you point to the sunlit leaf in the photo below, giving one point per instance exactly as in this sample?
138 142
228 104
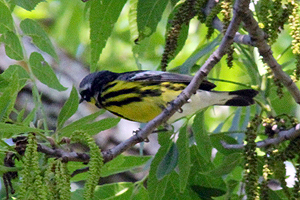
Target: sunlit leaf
148 15
69 108
70 25
103 16
123 163
30 117
22 74
38 35
28 4
6 21
44 72
90 128
8 98
12 129
13 47
141 193
120 190
77 124
4 169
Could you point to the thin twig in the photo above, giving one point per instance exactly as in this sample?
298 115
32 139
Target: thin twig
217 24
282 136
65 155
265 51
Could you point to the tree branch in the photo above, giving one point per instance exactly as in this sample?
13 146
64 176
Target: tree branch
282 136
65 155
217 24
265 51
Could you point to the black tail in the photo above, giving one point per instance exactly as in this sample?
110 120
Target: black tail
242 97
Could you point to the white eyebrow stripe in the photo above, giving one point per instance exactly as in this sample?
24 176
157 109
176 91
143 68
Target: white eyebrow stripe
85 87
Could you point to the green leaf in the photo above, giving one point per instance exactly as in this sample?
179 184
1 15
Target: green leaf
39 36
184 159
90 128
72 166
44 72
70 128
157 187
173 189
168 163
123 163
69 108
4 169
216 142
103 15
8 98
13 47
235 126
28 4
120 190
149 14
7 130
202 139
231 185
141 193
22 74
199 181
228 164
235 121
6 21
207 193
199 163
246 119
21 115
132 19
118 165
69 25
29 118
3 83
277 195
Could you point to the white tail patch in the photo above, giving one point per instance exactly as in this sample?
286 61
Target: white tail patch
202 99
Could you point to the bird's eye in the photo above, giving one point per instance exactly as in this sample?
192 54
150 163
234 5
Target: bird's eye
85 95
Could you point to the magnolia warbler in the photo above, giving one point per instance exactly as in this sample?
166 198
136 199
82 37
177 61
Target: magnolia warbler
142 95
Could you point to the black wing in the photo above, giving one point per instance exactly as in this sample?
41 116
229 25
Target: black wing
157 76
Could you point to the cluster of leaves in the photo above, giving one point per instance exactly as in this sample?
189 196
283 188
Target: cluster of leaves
12 81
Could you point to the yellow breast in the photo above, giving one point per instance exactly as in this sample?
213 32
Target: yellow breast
138 101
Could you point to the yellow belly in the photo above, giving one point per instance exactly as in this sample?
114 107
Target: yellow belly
148 107
143 111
